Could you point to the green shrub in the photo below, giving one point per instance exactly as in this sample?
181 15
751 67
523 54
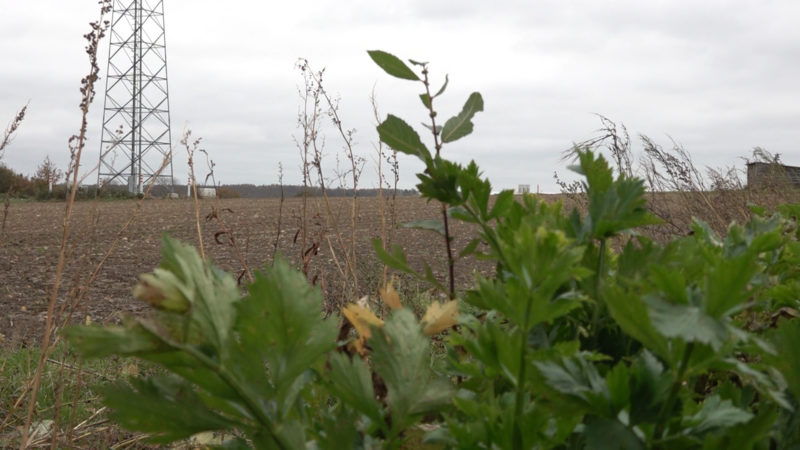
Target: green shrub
15 182
574 343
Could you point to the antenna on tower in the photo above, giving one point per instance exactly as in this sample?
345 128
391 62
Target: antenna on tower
136 136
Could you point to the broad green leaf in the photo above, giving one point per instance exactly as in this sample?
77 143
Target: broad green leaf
502 204
440 181
426 100
431 278
614 205
163 406
98 342
702 232
426 224
611 434
650 384
280 322
211 292
461 213
153 343
716 413
395 260
787 343
461 125
771 383
726 285
494 346
631 314
470 248
392 65
578 378
755 434
619 390
351 382
337 428
599 175
688 323
400 354
398 135
444 86
160 290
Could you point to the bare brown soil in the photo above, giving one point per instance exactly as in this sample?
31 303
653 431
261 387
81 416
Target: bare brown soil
30 246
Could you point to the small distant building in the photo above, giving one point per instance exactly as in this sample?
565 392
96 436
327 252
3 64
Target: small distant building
524 189
762 175
206 192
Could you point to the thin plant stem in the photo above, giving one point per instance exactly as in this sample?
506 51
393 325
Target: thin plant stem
601 258
77 144
381 202
226 230
520 394
190 151
438 144
280 212
12 127
673 392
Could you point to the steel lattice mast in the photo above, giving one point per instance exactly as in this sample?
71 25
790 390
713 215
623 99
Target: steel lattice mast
136 140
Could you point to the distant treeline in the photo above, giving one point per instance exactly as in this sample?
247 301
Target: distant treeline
274 191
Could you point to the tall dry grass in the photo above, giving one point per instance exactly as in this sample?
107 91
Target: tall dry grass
55 426
678 189
329 226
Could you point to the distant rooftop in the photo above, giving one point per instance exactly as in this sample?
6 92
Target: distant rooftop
763 175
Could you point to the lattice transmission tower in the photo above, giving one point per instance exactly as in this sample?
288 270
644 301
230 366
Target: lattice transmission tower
136 140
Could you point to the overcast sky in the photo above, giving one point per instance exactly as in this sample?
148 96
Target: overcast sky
719 77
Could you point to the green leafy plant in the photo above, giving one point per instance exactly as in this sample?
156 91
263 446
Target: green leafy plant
262 366
588 334
440 178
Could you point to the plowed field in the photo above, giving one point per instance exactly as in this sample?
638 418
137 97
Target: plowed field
31 241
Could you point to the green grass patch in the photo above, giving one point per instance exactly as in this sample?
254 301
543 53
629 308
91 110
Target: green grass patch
68 397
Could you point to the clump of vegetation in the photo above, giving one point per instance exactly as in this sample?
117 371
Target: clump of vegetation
678 191
622 322
571 343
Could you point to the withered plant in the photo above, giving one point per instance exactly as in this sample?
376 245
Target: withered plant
317 104
678 190
8 136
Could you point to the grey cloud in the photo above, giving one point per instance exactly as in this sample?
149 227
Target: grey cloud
718 76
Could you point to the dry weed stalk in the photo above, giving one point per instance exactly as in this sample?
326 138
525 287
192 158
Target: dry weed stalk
679 191
216 214
356 167
76 145
190 150
390 157
8 136
6 206
78 295
280 212
314 96
308 121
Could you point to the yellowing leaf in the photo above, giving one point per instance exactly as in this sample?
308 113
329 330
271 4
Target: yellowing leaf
390 296
160 290
440 317
362 319
363 301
